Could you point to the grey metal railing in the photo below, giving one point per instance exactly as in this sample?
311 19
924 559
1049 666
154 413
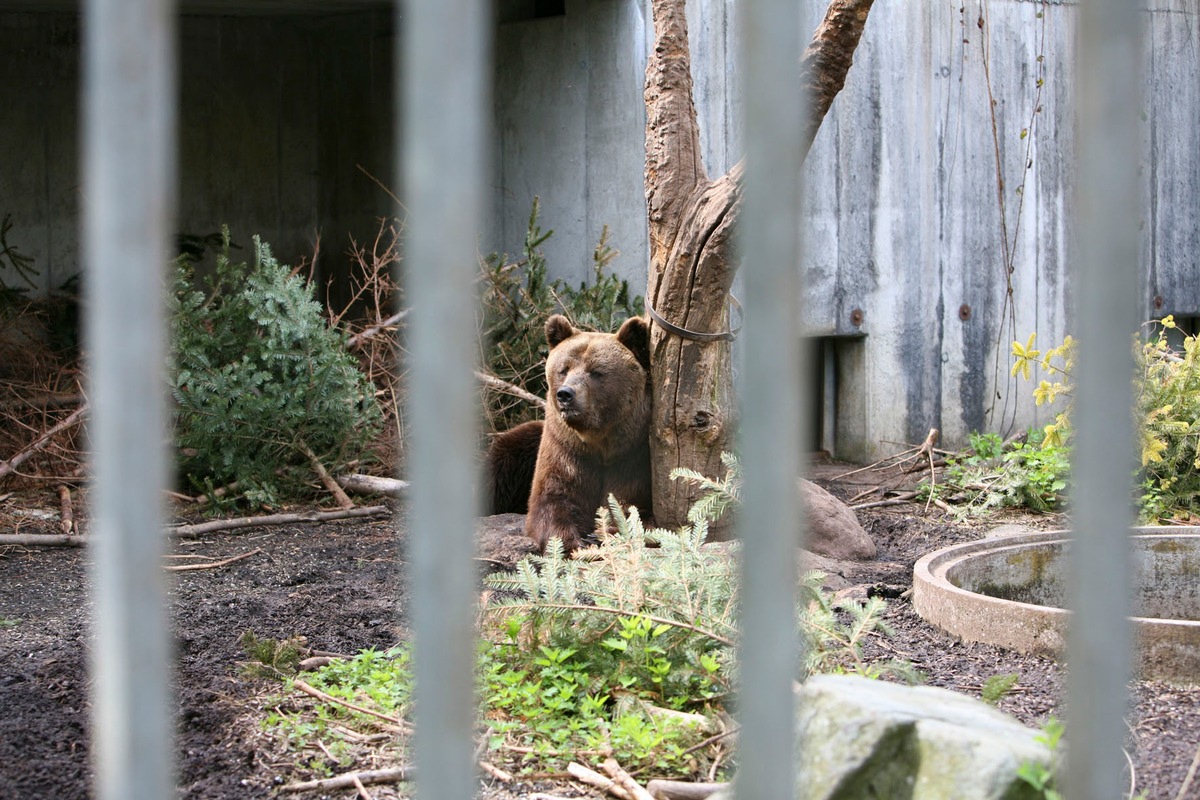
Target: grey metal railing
129 191
771 403
445 53
1105 278
445 50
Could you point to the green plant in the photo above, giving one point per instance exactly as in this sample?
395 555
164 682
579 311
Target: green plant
368 697
993 474
1043 777
997 686
270 658
626 648
517 299
1166 414
719 495
264 390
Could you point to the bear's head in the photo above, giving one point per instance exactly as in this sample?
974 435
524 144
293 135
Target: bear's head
599 383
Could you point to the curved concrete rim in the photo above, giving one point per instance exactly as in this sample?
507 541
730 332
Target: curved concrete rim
1167 648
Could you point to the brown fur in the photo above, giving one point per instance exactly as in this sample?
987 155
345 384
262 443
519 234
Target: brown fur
595 440
511 460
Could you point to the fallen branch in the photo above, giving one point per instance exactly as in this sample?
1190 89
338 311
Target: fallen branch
400 725
496 772
492 382
899 499
373 484
215 564
201 528
343 500
44 400
595 779
347 781
41 540
625 780
682 790
7 467
66 520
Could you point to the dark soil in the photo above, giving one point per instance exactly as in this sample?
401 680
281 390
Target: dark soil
341 586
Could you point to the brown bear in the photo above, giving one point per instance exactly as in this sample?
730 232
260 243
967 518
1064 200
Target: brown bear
594 441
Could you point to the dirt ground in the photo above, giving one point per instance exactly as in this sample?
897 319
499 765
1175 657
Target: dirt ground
341 586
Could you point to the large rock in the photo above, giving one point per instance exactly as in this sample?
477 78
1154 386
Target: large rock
860 738
833 530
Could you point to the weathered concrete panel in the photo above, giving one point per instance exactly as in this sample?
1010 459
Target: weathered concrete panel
569 130
276 115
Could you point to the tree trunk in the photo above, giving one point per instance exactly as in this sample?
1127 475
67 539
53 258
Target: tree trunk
692 263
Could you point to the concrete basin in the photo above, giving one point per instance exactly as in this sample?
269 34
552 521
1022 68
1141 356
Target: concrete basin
1011 591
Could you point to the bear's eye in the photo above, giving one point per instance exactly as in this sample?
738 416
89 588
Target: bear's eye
596 373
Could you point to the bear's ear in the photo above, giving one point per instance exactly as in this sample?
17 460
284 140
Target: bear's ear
558 328
635 335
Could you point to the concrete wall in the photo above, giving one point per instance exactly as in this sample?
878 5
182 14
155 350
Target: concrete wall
905 221
920 269
570 123
276 115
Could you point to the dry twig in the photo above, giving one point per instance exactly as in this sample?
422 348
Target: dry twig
400 725
66 520
343 500
682 790
42 540
593 778
214 564
372 776
625 780
492 382
7 467
201 528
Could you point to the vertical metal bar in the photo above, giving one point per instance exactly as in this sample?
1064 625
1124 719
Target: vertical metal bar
1106 280
129 189
446 47
772 404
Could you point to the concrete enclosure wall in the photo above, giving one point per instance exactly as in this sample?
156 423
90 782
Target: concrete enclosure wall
276 116
940 192
940 188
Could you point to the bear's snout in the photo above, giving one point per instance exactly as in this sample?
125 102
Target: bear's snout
565 397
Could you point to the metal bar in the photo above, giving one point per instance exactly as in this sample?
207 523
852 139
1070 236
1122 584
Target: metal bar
772 405
129 190
1106 279
445 49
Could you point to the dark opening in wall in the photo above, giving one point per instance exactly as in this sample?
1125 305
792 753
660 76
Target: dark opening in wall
837 397
522 10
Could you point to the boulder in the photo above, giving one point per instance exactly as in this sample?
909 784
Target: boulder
861 738
833 530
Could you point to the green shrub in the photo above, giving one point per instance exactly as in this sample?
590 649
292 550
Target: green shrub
992 474
626 648
261 383
1166 414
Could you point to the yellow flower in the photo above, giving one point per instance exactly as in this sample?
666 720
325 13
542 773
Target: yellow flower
1024 355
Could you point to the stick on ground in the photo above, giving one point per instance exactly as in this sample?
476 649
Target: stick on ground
199 529
214 564
394 775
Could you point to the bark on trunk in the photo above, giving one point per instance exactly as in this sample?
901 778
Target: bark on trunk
692 264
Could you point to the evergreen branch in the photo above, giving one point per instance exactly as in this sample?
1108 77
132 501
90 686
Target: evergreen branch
620 612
